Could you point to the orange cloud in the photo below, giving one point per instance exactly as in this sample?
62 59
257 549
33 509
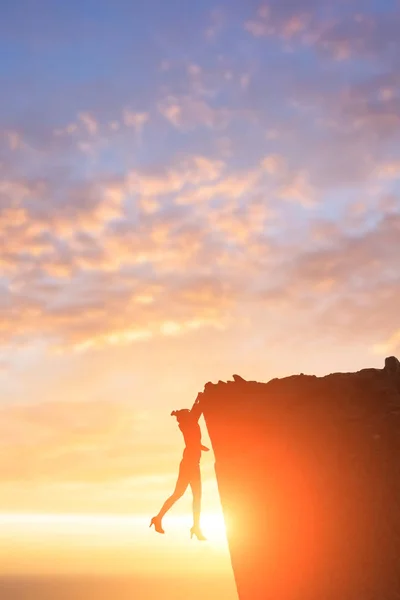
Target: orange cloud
232 186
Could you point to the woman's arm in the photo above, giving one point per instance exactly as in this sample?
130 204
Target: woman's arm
196 409
196 412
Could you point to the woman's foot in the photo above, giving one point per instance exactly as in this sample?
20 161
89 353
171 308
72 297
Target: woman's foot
156 521
198 533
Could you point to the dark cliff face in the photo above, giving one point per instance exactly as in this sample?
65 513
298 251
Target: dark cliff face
308 471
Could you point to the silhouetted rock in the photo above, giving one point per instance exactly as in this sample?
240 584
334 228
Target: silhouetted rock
308 471
392 365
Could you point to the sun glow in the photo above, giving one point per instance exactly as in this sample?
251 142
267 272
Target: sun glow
212 524
118 526
68 543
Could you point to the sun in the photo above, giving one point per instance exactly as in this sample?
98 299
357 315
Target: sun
212 524
214 527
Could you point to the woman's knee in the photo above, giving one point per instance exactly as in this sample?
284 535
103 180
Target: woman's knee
177 494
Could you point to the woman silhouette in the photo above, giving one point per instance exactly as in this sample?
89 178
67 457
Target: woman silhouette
189 469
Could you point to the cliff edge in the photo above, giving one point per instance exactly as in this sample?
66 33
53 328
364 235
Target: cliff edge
308 471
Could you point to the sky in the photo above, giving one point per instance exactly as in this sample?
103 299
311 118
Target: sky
187 191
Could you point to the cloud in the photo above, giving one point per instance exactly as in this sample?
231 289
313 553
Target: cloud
155 185
99 237
74 279
286 20
137 120
92 126
14 140
217 22
257 28
190 173
349 282
69 129
229 187
342 33
298 189
89 122
32 223
83 273
273 163
189 112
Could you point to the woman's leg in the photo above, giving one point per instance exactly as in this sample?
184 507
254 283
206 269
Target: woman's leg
195 484
180 488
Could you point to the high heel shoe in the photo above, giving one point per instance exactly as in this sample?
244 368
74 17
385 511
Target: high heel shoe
198 533
156 521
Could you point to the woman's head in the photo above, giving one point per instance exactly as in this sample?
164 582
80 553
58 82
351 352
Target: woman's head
180 414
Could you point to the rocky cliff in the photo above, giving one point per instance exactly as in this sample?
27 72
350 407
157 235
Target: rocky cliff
308 470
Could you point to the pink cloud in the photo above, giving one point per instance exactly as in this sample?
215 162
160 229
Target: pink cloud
189 111
137 120
338 33
298 189
89 122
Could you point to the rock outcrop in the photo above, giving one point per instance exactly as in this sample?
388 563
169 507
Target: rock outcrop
308 470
